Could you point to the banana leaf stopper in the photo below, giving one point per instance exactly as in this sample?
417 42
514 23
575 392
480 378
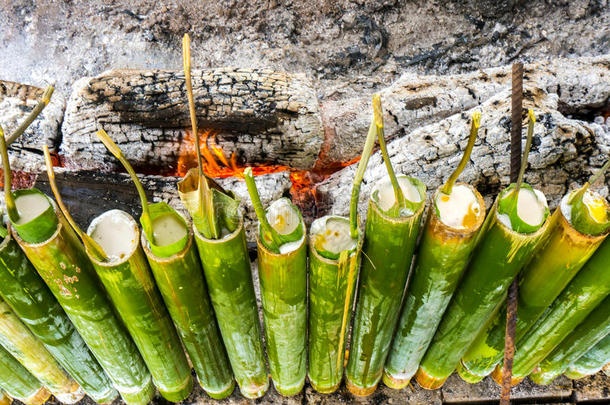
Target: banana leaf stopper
587 211
280 225
520 207
406 194
414 192
30 211
165 229
457 206
225 215
214 211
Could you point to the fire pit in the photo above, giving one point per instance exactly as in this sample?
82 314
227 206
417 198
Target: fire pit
303 135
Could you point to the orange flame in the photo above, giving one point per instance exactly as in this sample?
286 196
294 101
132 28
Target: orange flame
214 161
216 164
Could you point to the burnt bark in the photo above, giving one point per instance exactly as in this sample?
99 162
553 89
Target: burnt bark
16 102
263 116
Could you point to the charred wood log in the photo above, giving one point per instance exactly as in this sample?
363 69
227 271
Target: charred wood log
414 101
16 102
563 154
265 117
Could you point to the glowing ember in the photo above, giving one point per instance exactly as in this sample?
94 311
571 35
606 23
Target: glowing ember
216 164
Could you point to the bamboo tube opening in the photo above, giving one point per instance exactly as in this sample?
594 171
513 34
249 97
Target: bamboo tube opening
531 207
460 209
225 234
117 233
285 219
31 206
596 205
289 248
146 245
471 220
330 235
168 229
385 198
60 223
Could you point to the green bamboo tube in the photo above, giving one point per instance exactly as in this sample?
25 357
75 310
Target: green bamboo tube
388 251
130 286
4 398
167 241
441 259
17 339
481 291
283 283
580 298
560 256
29 297
331 293
221 241
180 281
19 383
226 266
62 263
594 360
585 336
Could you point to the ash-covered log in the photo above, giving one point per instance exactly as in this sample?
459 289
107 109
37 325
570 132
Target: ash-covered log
16 102
263 116
564 152
414 101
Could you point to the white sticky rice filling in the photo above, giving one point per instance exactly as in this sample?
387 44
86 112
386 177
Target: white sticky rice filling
116 232
454 208
168 229
284 218
385 192
530 208
334 233
30 206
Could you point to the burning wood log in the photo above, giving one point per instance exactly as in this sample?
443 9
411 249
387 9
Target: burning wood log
16 102
562 151
415 101
261 115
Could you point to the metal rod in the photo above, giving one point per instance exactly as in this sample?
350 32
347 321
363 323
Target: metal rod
515 165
